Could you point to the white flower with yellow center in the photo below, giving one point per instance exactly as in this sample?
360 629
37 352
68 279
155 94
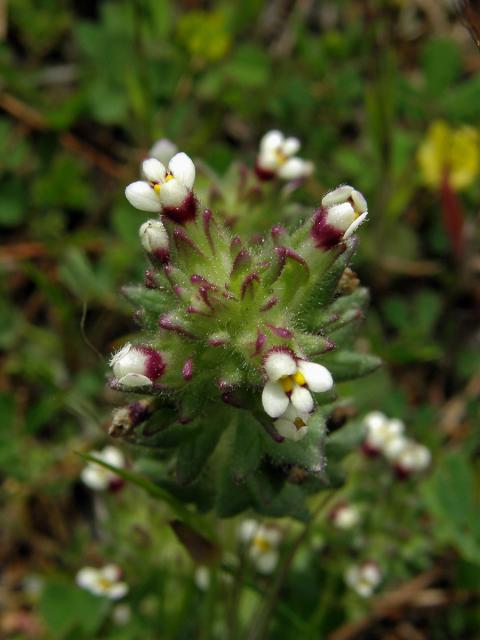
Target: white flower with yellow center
99 478
163 188
263 542
277 158
103 582
290 380
346 209
364 578
293 424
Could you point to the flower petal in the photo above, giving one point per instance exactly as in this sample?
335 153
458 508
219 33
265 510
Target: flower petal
173 193
247 530
113 456
95 477
355 224
291 146
141 195
293 169
117 591
359 201
272 140
278 364
267 160
87 577
183 169
135 380
153 170
341 216
274 400
163 150
337 196
266 562
302 399
318 377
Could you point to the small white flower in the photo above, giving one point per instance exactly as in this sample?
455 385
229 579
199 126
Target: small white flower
277 157
364 578
154 238
99 478
290 380
412 458
122 614
382 434
263 542
137 366
162 188
202 578
163 150
345 516
346 209
293 424
103 582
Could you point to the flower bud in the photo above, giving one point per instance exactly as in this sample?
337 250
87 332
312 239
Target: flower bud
342 211
154 239
137 366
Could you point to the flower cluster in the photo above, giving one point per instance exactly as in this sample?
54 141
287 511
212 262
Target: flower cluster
106 581
364 578
98 477
262 542
277 158
387 436
229 323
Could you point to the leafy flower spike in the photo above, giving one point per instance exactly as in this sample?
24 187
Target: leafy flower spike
290 381
277 158
166 190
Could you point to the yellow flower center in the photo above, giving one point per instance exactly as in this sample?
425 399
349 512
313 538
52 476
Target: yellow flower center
299 423
104 583
261 544
280 156
156 186
288 382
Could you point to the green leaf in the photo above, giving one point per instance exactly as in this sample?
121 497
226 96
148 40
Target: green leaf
65 607
348 365
441 61
193 454
450 495
247 447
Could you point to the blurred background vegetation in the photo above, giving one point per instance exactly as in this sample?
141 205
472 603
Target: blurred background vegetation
85 88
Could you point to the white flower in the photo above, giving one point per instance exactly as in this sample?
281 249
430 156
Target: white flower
263 542
290 380
277 158
364 578
103 582
99 478
345 516
412 458
154 238
163 150
122 614
382 435
162 188
293 424
202 578
346 209
137 366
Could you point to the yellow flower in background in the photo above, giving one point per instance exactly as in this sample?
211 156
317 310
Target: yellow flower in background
449 152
